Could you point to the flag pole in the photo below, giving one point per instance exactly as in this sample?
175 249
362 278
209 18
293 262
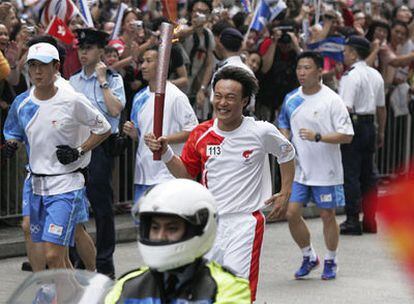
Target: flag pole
318 11
50 24
256 9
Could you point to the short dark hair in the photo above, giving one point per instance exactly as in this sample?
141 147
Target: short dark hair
110 49
315 56
220 26
152 48
247 80
135 11
400 23
42 39
397 8
207 2
362 53
374 24
260 56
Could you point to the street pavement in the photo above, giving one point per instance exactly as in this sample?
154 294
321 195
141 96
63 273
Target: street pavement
368 271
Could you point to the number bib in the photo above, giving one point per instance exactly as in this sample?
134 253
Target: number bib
213 150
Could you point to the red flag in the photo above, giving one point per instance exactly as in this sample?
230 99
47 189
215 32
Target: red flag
396 210
64 9
57 28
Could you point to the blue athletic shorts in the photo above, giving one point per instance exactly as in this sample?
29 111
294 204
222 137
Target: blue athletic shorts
84 215
53 218
325 197
139 191
27 195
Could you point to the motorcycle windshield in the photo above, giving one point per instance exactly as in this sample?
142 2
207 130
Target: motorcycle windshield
62 286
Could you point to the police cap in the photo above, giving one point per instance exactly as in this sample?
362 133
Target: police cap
92 36
231 39
358 42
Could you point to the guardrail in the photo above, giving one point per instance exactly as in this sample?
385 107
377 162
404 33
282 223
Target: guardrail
394 158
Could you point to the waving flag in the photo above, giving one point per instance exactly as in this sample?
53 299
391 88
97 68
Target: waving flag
118 21
266 11
64 9
247 6
332 47
58 29
85 12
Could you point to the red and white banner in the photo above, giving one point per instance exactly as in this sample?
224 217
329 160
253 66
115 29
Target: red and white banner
64 9
58 29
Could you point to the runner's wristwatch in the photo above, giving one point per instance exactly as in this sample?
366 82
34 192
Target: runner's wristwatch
81 151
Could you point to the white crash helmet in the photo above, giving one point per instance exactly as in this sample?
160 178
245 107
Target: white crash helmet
188 200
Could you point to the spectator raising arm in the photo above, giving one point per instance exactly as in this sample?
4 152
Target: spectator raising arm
269 56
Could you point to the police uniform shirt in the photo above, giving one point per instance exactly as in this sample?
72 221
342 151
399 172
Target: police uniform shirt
67 118
362 89
89 86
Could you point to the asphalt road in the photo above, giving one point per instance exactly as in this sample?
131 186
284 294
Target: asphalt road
368 271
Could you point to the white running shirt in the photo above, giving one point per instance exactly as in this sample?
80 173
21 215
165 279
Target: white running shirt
65 119
233 164
317 163
178 116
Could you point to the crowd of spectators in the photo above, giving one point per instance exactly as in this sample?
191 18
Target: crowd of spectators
270 53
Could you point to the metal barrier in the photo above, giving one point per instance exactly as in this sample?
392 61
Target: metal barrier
13 173
392 160
395 157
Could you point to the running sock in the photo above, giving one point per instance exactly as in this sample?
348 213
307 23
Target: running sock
330 255
309 252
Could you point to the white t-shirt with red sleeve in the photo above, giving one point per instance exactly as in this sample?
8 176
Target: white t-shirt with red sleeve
233 165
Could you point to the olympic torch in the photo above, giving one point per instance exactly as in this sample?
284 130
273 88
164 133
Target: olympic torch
164 51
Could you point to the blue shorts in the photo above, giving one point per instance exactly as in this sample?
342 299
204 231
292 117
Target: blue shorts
139 191
53 218
325 197
84 216
27 195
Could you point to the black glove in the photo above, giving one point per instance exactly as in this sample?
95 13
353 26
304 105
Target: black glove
10 148
66 154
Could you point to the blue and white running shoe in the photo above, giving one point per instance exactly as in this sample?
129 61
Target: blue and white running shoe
329 270
306 267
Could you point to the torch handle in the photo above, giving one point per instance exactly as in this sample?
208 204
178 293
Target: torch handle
158 118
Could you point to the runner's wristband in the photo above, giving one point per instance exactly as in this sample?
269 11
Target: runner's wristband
168 155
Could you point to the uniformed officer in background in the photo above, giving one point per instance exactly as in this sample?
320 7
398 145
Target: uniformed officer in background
362 89
105 89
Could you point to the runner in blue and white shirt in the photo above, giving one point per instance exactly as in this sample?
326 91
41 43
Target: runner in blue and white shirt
60 127
317 121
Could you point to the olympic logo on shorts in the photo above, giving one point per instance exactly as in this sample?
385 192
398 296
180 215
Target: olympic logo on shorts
34 228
